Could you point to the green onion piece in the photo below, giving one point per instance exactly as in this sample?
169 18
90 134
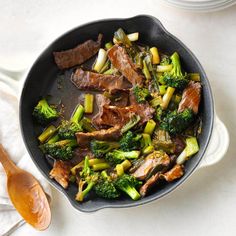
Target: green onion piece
164 68
100 166
146 140
105 67
156 101
110 71
88 103
95 161
119 169
155 55
47 133
133 37
87 124
147 150
108 45
101 59
150 126
53 139
167 97
126 164
195 77
162 89
146 71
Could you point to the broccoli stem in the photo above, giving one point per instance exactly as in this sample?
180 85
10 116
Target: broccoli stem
100 166
132 192
132 122
162 89
47 133
119 169
164 68
126 164
147 150
150 126
146 140
104 174
78 114
88 103
95 161
81 195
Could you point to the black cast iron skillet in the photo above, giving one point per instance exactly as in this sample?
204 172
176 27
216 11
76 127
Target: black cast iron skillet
44 78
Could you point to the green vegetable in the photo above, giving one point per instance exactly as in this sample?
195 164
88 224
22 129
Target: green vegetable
164 68
44 113
121 37
88 103
176 122
62 150
105 188
146 71
162 89
117 156
47 133
101 166
101 60
167 97
140 93
156 101
87 125
108 45
100 148
130 141
150 126
128 184
175 77
132 122
67 129
194 76
165 61
155 55
190 149
88 178
133 36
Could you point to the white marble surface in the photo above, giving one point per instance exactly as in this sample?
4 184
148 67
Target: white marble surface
206 203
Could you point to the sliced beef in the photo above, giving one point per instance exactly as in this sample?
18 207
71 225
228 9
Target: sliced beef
79 154
112 115
191 97
84 139
78 55
61 172
179 144
152 164
119 98
99 82
175 173
121 61
149 184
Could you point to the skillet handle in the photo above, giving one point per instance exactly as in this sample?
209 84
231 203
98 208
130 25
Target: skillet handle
218 145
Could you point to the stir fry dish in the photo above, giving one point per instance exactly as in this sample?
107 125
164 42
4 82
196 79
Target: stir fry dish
138 123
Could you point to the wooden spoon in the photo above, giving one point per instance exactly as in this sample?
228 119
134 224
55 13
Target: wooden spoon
26 194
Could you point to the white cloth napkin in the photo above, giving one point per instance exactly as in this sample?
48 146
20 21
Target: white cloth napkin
11 139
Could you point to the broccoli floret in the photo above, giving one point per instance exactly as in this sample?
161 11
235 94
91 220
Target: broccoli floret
44 113
105 187
87 177
140 94
175 77
176 122
118 156
68 129
62 150
165 61
128 184
100 148
130 141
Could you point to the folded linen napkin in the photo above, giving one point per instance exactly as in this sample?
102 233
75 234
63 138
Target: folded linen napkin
11 139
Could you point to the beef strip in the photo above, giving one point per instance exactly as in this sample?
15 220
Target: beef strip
152 164
78 55
79 154
149 184
99 82
61 172
121 61
175 173
112 115
84 139
191 97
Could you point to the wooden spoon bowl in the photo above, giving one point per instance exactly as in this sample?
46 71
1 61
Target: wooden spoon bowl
26 194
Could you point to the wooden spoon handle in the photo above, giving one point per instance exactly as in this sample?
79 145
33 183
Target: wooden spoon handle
7 163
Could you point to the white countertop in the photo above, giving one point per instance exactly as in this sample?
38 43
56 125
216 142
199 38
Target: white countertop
206 203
